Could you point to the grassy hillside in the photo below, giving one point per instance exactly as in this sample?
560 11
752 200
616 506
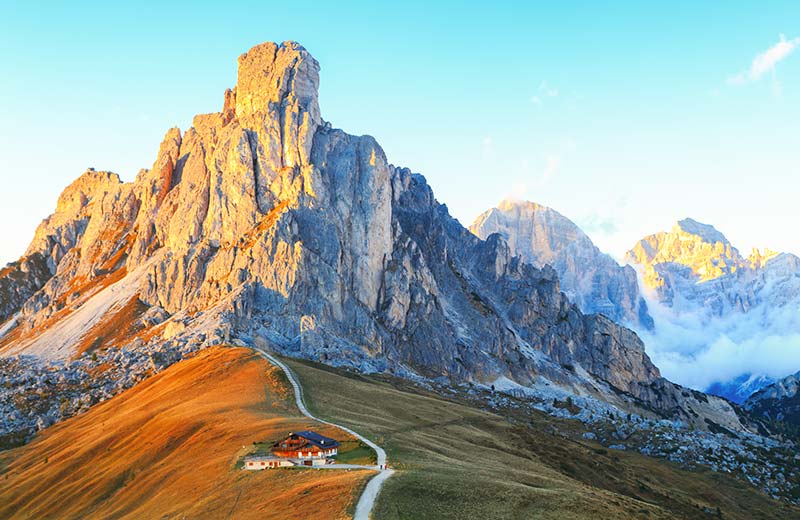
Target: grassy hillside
168 447
457 461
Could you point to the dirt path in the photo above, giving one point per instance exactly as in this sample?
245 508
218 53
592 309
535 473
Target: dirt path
367 500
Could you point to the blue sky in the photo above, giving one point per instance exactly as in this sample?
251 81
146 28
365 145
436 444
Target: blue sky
625 117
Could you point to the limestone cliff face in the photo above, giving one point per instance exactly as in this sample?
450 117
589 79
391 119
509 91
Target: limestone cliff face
779 401
590 278
19 281
262 216
695 264
55 250
712 294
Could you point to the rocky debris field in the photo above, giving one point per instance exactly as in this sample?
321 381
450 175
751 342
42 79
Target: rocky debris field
36 393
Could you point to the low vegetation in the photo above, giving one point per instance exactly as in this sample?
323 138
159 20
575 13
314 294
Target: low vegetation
168 447
458 461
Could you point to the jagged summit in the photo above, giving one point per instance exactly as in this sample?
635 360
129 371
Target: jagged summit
717 296
779 401
693 253
260 217
705 231
277 92
699 247
512 203
542 236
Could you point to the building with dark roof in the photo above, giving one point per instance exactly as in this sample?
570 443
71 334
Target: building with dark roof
305 445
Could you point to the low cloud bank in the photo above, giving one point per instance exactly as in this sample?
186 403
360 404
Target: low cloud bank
698 352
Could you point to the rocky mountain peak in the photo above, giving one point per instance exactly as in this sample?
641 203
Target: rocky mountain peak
706 232
698 249
84 189
758 259
277 88
782 389
550 230
779 401
542 236
511 204
59 232
262 225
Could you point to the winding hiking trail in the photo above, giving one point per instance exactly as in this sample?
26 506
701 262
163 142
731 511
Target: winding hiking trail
370 493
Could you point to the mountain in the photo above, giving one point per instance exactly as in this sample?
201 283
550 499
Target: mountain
708 300
740 388
262 224
779 401
695 266
590 278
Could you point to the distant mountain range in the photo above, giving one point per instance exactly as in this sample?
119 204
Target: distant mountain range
780 403
696 295
695 268
717 301
590 278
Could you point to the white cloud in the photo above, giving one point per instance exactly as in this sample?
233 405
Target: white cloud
544 91
766 61
519 191
697 352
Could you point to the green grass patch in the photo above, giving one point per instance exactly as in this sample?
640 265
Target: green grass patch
356 452
458 461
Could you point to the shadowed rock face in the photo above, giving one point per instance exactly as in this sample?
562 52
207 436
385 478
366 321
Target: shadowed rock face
262 214
590 278
19 281
779 401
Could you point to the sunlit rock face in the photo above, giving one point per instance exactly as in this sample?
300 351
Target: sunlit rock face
695 264
590 278
722 319
263 216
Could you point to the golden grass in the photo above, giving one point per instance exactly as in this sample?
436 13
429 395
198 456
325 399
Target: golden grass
168 447
457 461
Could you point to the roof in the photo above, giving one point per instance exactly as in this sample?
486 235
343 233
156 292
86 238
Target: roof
259 457
317 439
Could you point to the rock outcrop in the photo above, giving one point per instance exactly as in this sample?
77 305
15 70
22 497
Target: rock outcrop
19 281
695 264
779 401
262 224
590 278
710 294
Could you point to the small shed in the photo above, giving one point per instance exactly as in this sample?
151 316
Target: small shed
259 462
